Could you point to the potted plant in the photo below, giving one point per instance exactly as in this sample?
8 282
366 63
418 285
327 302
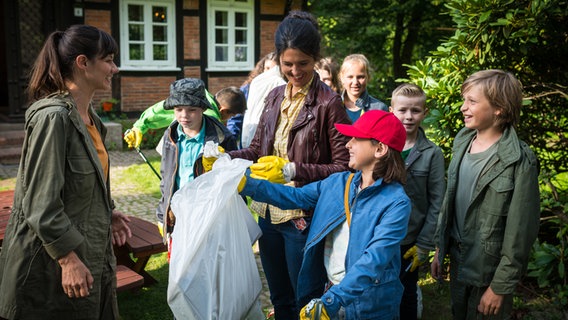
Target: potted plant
109 104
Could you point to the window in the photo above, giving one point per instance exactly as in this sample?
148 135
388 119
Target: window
231 35
147 33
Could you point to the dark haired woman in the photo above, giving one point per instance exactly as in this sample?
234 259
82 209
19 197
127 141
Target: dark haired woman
296 125
57 260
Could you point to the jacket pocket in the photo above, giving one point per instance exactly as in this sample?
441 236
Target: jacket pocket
493 249
495 206
80 165
379 301
419 173
416 182
498 195
80 178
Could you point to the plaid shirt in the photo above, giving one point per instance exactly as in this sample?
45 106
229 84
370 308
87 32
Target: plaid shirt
289 110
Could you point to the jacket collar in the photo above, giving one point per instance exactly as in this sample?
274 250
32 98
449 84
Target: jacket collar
356 183
421 144
363 101
312 92
508 150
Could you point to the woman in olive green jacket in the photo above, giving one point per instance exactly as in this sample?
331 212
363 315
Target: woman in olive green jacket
57 260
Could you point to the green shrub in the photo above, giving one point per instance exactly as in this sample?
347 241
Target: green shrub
549 259
151 139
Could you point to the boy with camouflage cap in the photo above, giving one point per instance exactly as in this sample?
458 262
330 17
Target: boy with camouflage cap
183 141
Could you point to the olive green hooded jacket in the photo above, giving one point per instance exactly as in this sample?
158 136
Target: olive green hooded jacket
502 219
61 204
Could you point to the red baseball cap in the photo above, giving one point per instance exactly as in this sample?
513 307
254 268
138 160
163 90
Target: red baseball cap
379 125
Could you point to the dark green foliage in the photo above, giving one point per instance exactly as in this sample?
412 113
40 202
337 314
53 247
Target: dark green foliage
527 38
530 39
151 138
389 33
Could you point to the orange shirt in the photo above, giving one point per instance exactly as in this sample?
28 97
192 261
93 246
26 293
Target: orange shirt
100 146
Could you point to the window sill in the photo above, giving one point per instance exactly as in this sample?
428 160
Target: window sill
227 69
146 68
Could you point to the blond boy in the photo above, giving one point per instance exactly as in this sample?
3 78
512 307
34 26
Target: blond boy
425 186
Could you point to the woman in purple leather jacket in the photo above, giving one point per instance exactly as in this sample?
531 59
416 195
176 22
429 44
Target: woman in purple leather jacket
297 126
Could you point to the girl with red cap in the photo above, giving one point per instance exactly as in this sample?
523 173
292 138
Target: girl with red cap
352 259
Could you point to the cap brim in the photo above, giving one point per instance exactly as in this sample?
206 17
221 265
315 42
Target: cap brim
172 102
168 104
350 131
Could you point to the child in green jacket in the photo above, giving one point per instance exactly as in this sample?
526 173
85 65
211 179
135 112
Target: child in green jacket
490 215
227 104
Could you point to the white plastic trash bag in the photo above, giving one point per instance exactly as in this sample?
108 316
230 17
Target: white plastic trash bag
213 273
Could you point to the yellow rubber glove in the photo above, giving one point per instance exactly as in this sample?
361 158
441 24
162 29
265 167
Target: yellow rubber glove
269 168
133 137
314 310
419 256
208 162
242 184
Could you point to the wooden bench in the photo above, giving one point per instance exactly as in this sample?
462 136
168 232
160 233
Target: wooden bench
145 242
127 279
6 199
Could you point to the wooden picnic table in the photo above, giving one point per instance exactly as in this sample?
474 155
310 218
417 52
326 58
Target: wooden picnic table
6 199
145 242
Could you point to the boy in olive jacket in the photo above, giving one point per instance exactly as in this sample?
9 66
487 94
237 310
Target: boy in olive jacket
491 211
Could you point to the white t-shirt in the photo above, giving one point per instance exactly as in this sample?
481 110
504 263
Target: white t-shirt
335 250
259 89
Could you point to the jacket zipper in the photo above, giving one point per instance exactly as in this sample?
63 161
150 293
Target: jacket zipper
318 237
173 176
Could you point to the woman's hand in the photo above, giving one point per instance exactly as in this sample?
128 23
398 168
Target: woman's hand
119 228
76 279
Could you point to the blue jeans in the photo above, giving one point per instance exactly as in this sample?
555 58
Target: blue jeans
281 253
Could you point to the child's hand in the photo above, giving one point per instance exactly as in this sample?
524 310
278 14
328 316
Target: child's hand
314 310
211 152
272 168
133 137
419 256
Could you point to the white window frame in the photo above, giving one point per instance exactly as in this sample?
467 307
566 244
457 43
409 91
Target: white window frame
148 63
231 7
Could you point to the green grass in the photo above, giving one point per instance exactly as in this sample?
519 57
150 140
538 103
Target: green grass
141 178
149 303
435 298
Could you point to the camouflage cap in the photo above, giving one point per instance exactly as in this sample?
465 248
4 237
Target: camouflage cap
187 92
